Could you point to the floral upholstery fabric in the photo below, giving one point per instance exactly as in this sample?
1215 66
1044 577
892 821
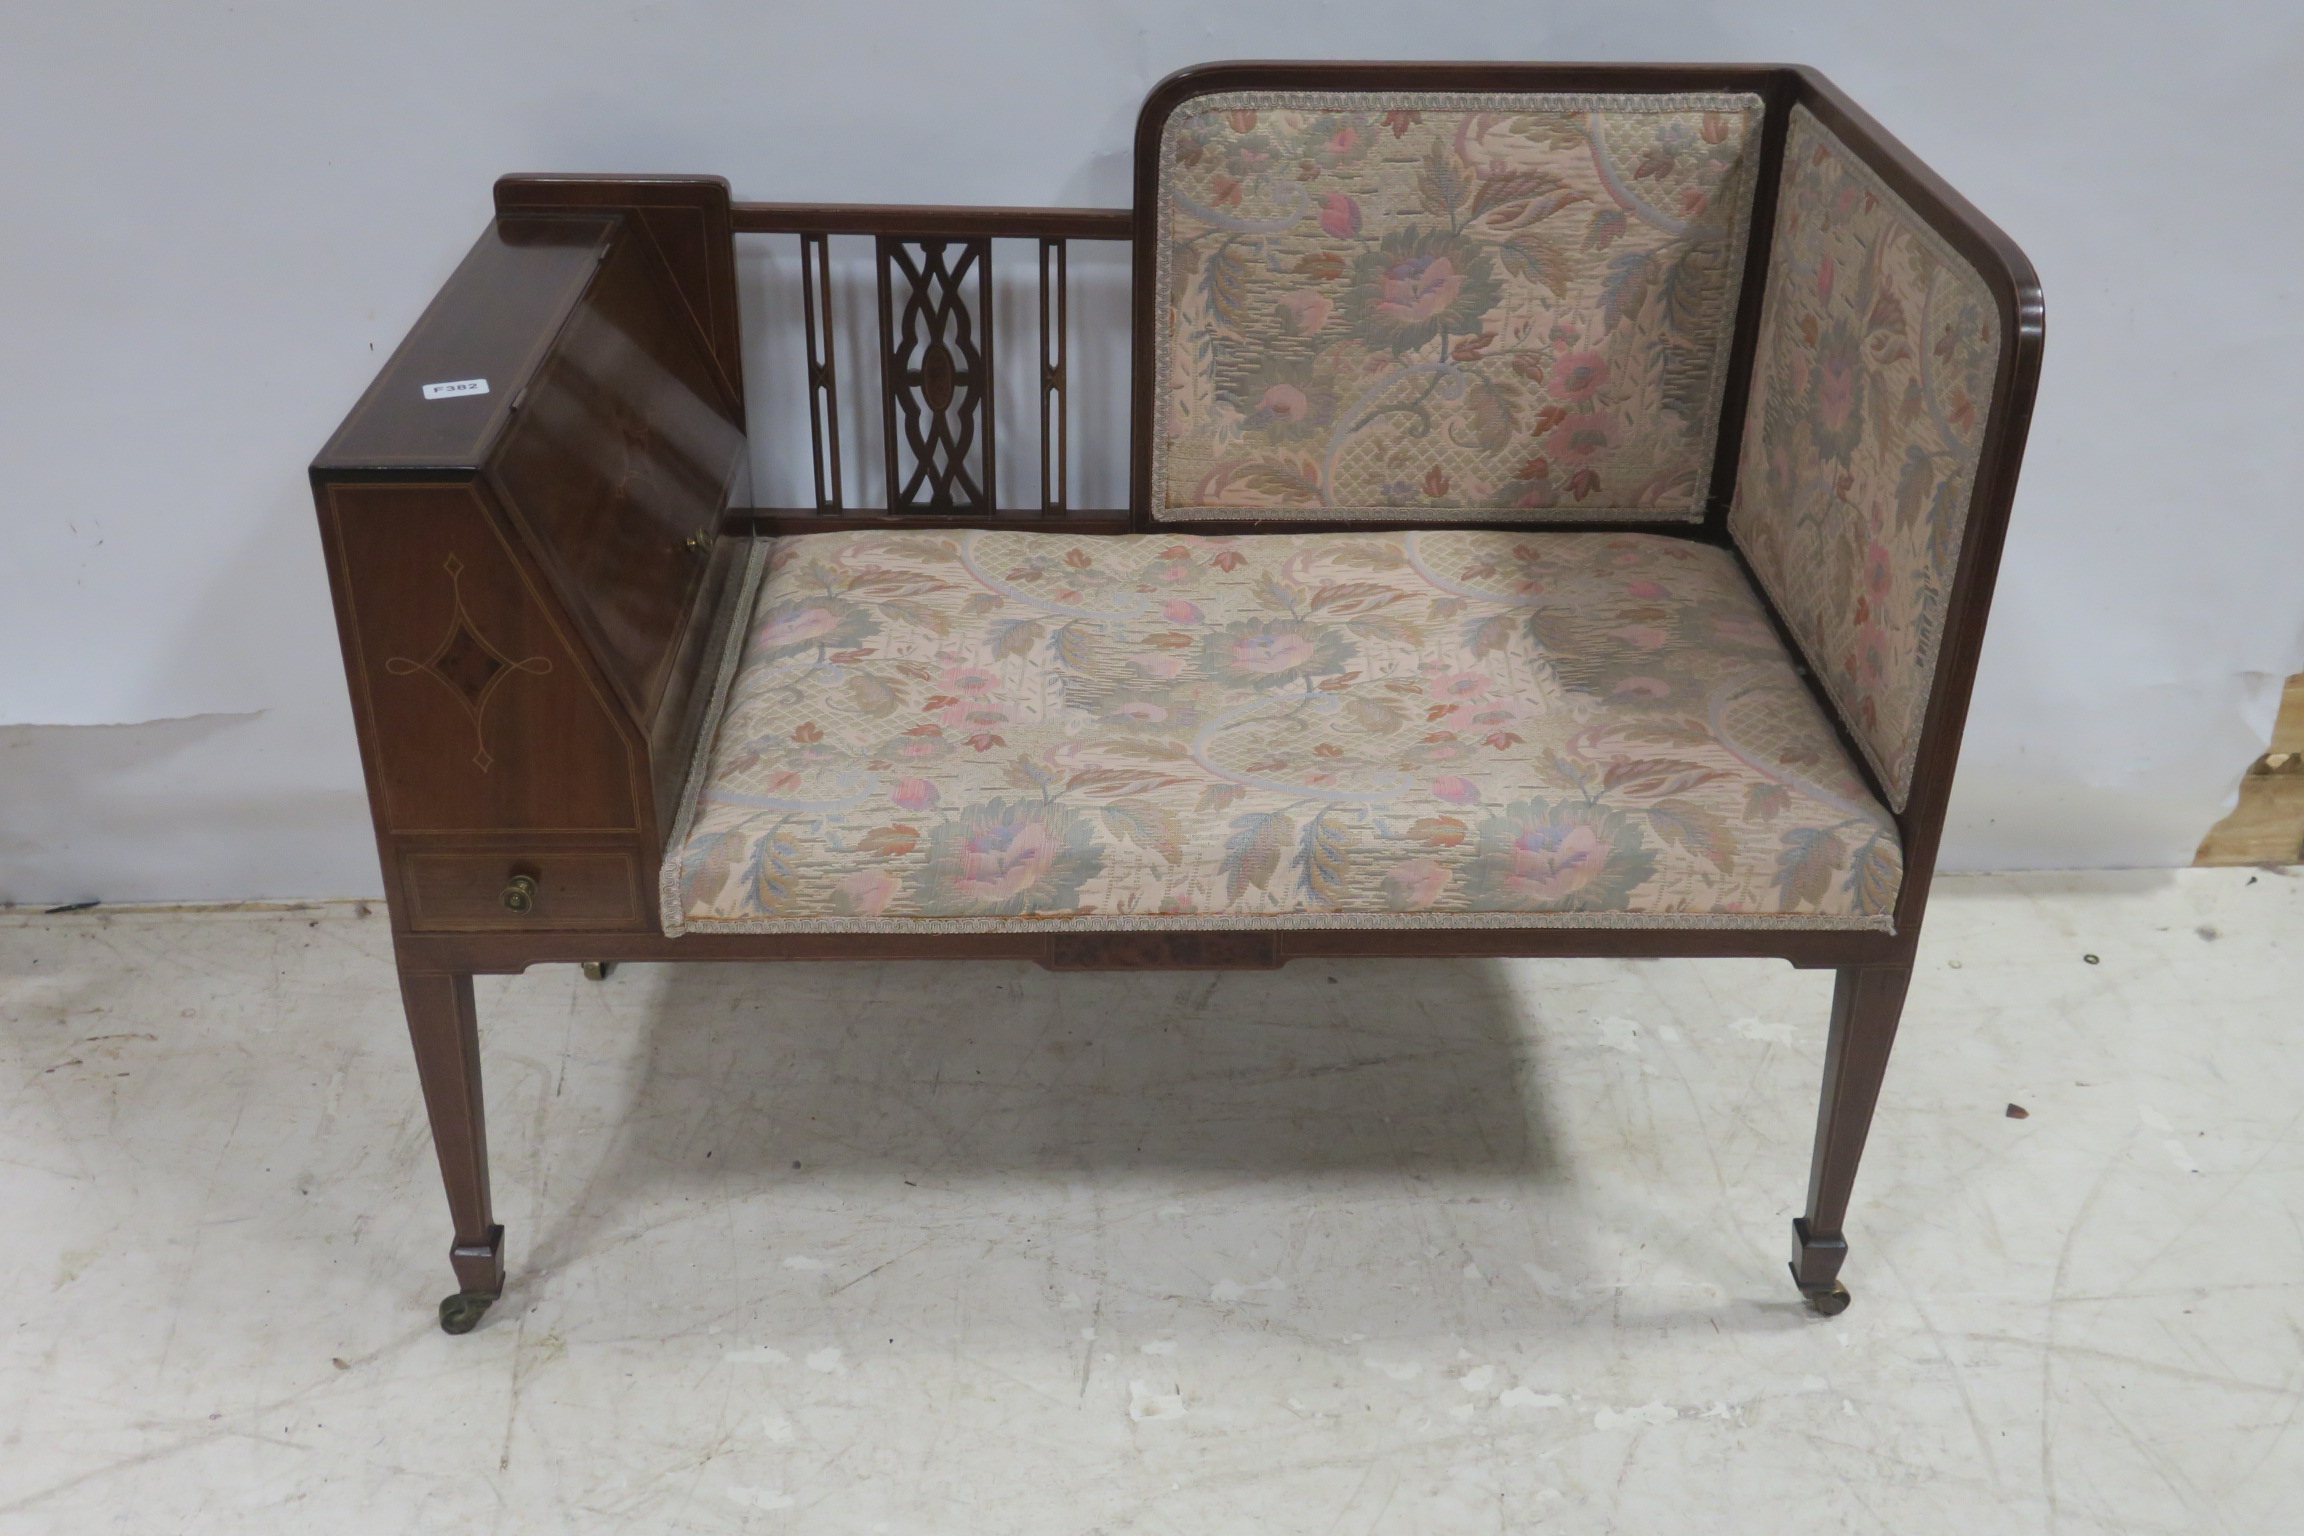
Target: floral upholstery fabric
1870 392
1492 306
975 729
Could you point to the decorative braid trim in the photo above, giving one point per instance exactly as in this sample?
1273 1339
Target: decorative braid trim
1163 287
1534 517
670 906
1465 101
1095 923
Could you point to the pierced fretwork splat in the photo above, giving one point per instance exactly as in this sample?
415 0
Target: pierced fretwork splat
936 370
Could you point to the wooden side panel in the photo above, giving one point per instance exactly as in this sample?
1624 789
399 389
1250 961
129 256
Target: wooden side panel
619 463
476 709
491 321
687 219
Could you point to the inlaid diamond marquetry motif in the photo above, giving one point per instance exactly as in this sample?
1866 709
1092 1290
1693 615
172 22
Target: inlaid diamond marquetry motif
468 665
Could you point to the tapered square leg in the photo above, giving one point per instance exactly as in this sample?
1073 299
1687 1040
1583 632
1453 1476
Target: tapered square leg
1866 1004
446 1033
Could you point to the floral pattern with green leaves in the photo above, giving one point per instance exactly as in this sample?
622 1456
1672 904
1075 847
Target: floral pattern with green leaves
1500 307
1870 392
977 728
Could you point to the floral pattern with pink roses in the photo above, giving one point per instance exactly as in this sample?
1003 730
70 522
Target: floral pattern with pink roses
1870 391
1501 307
975 728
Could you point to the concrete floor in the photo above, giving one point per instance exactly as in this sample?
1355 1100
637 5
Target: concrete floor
1370 1247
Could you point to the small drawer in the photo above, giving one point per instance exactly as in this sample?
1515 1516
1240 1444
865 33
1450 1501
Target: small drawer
465 891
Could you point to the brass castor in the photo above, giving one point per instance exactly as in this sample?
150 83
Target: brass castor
461 1313
599 970
1827 1303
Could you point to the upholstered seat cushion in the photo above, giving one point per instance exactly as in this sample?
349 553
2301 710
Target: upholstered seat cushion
971 730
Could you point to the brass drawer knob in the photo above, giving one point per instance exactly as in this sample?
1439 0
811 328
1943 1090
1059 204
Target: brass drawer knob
520 895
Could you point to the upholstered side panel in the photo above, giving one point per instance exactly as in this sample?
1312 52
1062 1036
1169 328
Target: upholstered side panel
1484 307
1870 391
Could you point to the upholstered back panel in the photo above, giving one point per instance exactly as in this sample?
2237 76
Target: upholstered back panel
1870 391
1486 307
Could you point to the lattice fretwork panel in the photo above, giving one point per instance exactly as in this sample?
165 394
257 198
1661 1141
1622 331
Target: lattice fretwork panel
936 357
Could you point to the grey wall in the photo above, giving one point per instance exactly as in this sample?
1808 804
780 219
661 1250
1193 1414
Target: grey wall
219 219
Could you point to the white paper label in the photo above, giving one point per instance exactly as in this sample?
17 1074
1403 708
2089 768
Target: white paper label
457 387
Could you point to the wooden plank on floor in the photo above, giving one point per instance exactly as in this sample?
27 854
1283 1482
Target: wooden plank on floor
2267 826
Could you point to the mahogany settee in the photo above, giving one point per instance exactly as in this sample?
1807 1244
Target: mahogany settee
1564 503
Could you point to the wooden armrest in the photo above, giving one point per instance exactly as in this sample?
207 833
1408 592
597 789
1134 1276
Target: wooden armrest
526 569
